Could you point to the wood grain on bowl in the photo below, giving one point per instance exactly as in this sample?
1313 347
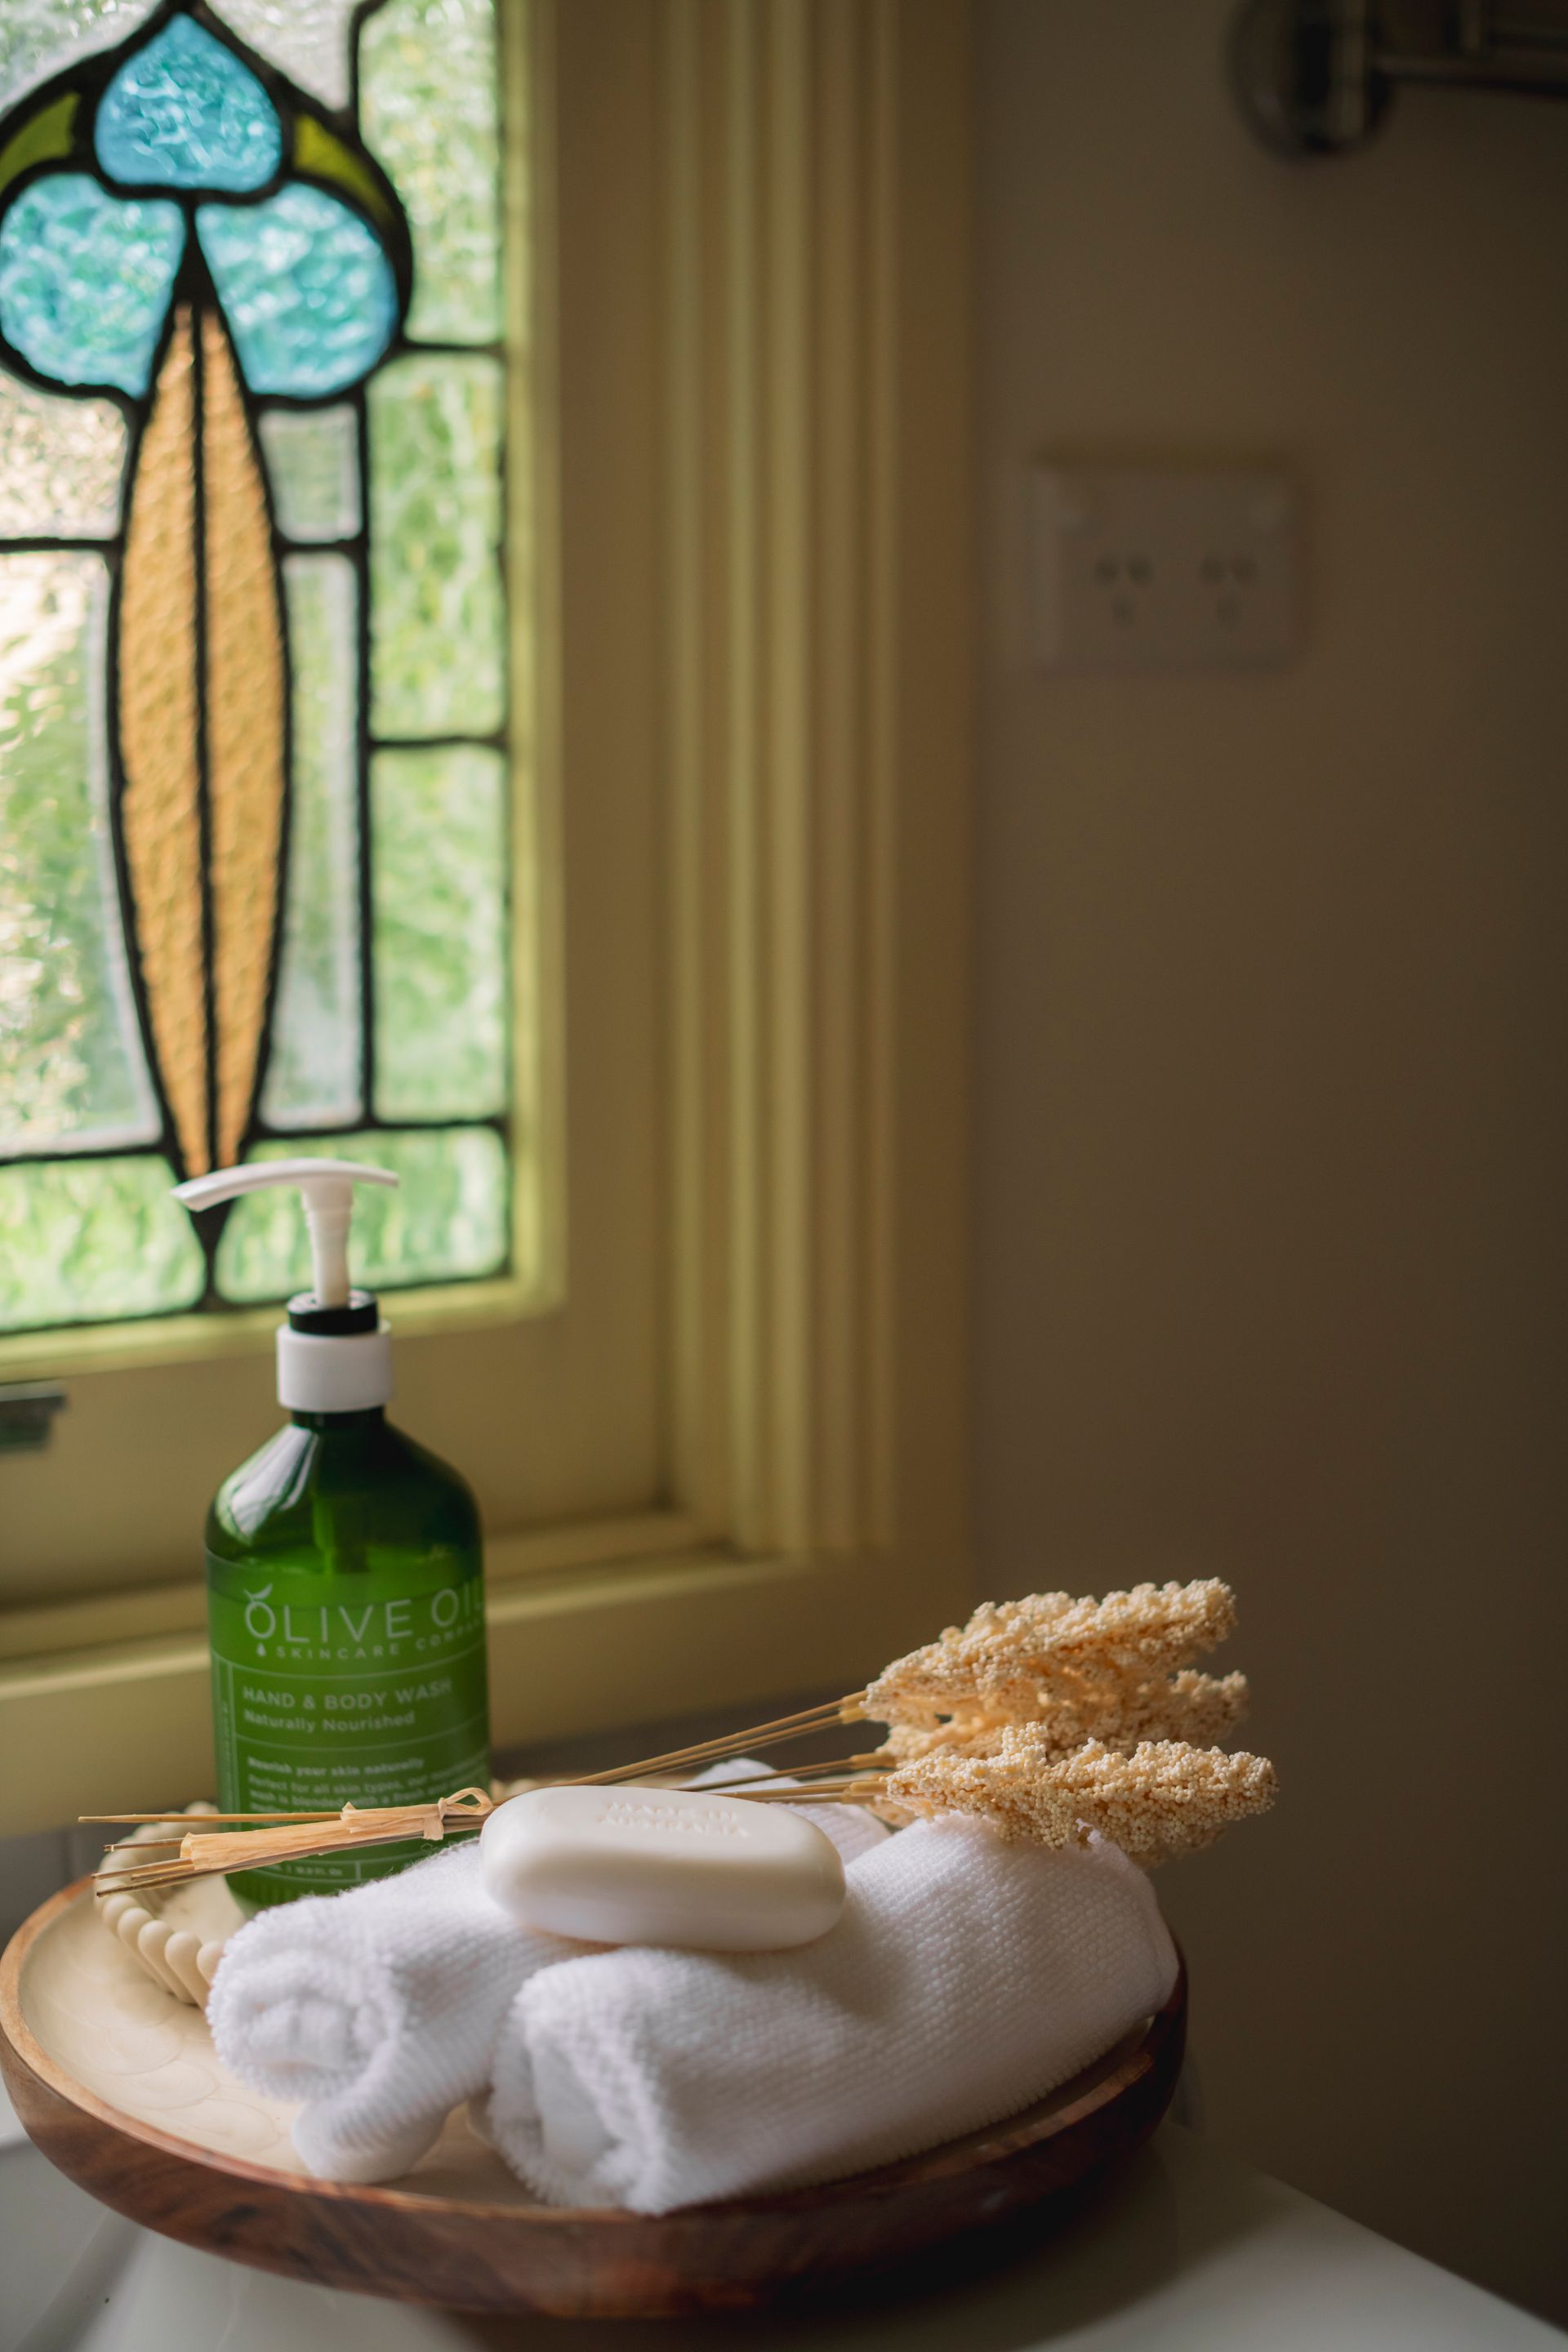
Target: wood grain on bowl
119 2087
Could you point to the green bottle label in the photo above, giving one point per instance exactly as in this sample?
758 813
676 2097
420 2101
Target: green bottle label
319 1699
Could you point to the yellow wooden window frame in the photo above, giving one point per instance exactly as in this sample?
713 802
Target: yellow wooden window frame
809 317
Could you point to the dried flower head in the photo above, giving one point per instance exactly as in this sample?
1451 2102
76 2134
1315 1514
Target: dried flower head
970 1731
1013 1656
1158 1627
1116 1708
1200 1708
1166 1799
1013 1787
1163 1800
968 1663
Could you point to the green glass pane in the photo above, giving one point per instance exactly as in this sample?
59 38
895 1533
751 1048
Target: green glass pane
438 822
39 37
438 610
448 1222
90 1241
429 112
60 464
313 1076
312 463
71 1065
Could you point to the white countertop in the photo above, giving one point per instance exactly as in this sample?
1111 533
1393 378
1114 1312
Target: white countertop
1186 2252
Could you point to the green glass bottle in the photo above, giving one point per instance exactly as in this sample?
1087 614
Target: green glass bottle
345 1589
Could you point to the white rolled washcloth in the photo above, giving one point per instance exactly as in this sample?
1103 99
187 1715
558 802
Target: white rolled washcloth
966 1977
379 2008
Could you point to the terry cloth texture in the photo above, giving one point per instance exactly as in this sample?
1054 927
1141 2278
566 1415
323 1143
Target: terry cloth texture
965 1979
378 2008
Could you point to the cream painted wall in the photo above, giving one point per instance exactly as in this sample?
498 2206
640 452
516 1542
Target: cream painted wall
1273 1179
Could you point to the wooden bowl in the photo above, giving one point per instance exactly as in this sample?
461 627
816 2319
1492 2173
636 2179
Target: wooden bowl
119 2087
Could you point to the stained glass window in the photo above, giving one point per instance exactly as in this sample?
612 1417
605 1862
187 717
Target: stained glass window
254 762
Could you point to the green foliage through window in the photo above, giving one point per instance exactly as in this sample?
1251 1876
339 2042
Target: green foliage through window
254 703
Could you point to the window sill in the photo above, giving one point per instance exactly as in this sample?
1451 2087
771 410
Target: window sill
251 1330
107 1621
578 1645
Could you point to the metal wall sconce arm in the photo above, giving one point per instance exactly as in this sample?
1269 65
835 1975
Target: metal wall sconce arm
1316 77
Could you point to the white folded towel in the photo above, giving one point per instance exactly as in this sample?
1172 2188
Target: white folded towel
378 2008
966 1977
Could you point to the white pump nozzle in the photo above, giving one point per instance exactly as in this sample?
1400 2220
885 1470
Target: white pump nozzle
318 1371
326 1187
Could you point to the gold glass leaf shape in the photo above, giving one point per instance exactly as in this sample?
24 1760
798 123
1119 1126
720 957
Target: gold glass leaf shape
160 810
201 740
244 734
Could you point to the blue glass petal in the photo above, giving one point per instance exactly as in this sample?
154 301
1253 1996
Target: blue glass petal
310 298
185 112
85 280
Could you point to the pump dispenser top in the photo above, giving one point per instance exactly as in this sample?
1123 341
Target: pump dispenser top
334 1352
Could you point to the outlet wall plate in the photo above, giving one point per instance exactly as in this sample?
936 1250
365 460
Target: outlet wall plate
1147 570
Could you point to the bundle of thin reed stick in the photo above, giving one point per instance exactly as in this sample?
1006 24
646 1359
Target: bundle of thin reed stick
1051 1717
217 1847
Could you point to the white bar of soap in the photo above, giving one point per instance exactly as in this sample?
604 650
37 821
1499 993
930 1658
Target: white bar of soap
688 1868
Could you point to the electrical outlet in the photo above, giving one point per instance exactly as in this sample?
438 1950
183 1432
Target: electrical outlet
1163 570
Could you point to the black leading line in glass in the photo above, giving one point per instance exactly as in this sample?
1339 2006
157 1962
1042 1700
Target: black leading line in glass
87 79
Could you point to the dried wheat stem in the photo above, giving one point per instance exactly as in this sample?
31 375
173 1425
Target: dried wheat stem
185 1820
864 1790
800 1772
733 1743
